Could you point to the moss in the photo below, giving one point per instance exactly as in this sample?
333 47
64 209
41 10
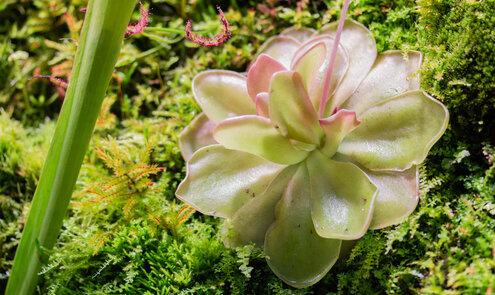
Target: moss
459 45
22 152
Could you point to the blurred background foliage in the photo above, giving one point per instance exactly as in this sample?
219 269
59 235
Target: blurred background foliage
127 234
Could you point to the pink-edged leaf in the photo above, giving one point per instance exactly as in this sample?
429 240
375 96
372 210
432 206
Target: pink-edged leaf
398 193
295 252
397 197
336 127
397 133
315 88
361 48
308 64
259 75
198 134
281 48
342 198
262 104
222 94
256 135
392 74
301 34
251 222
220 181
291 110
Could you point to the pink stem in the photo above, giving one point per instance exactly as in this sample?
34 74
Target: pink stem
326 86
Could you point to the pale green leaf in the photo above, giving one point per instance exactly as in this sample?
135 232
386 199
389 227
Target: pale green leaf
315 87
296 253
361 48
256 135
291 110
220 181
251 222
198 134
392 74
259 75
301 34
281 48
397 133
397 196
336 127
342 198
222 94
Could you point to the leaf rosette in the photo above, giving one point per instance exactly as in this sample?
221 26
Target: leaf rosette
297 180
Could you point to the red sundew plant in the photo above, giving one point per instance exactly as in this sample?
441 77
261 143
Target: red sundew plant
55 81
143 21
210 42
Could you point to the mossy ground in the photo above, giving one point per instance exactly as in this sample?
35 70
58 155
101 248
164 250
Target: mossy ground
142 241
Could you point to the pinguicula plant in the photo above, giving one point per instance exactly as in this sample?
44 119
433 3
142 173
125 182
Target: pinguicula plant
318 143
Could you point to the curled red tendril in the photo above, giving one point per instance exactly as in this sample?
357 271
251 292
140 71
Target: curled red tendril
55 81
210 42
141 24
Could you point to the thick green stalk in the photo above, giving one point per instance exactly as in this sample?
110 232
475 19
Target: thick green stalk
99 46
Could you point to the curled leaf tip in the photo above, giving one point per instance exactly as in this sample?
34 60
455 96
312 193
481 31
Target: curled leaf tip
210 42
55 81
143 21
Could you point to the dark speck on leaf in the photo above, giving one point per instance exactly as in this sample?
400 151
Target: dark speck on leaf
253 195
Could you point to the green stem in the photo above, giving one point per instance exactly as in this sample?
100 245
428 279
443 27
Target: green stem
160 39
99 46
167 30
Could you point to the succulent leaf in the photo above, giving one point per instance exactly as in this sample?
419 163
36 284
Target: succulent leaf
397 197
296 253
198 134
291 110
251 222
220 181
222 94
301 34
361 49
256 135
342 198
258 78
398 133
281 48
315 88
391 75
336 127
309 63
262 104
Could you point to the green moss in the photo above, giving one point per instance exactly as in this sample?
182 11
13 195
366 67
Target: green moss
459 47
22 152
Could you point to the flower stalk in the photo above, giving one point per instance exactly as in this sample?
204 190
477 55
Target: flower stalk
99 46
326 86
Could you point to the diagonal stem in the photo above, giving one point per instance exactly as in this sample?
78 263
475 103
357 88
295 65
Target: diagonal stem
99 46
325 96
